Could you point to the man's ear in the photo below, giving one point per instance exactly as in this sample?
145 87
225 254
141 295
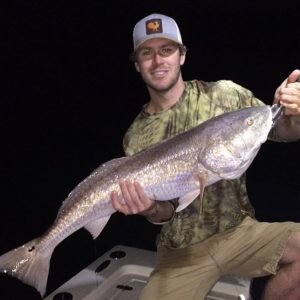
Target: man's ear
137 67
182 59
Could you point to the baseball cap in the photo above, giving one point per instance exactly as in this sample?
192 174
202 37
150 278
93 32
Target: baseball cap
155 26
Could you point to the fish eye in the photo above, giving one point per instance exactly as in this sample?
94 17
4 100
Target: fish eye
250 122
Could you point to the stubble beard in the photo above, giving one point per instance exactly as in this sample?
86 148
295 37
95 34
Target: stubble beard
163 88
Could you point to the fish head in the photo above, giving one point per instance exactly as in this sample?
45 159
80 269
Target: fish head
234 140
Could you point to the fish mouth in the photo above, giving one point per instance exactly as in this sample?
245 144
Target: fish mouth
277 112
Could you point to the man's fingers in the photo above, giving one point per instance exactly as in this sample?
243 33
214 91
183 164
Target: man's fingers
293 76
115 201
133 200
144 199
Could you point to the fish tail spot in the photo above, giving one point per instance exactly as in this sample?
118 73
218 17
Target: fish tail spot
31 249
28 265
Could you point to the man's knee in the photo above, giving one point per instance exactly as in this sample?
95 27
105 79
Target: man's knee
291 252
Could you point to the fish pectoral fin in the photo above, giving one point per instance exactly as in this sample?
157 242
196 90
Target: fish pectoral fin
202 181
186 199
96 226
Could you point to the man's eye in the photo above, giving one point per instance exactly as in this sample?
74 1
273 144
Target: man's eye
146 53
167 50
170 49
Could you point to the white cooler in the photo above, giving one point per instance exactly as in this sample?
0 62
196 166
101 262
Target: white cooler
121 274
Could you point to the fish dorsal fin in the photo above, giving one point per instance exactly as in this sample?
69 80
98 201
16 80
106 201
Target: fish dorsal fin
187 199
95 227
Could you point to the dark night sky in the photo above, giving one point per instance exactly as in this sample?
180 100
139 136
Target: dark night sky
69 92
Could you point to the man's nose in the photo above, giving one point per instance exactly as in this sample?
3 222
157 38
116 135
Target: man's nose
157 58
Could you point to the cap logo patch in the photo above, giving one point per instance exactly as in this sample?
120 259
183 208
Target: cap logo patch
154 26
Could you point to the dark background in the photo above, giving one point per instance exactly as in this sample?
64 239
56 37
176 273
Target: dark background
69 92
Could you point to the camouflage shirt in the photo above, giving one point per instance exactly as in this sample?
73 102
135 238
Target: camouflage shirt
225 203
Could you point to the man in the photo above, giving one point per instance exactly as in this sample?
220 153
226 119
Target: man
195 249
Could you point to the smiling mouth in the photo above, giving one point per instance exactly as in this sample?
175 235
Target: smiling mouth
160 73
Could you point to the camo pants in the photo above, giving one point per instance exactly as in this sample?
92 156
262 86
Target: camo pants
252 249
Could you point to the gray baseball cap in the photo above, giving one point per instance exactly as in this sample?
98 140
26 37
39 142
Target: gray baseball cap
155 26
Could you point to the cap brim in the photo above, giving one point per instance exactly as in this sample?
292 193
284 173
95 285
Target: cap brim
157 36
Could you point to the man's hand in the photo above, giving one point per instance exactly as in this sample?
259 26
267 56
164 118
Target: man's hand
135 200
288 94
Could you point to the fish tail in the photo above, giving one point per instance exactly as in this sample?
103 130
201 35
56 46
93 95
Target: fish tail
28 265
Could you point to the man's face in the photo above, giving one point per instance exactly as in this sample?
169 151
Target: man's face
158 60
